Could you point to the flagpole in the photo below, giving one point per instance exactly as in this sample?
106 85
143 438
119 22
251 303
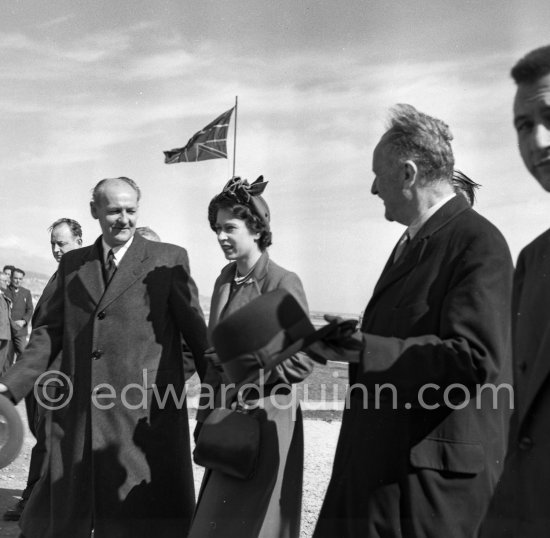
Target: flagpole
235 136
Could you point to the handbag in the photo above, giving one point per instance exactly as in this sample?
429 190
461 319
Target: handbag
229 442
229 439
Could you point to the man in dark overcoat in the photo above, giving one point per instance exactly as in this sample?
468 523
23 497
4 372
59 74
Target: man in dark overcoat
119 455
520 506
423 433
65 235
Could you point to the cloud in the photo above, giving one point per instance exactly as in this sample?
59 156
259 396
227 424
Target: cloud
57 21
9 241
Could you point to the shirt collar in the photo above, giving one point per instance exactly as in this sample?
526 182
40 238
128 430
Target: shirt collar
415 226
119 251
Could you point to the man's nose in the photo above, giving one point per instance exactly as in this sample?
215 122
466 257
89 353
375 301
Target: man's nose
542 136
374 188
124 217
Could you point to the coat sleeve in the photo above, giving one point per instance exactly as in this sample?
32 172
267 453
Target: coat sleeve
473 338
44 345
184 302
296 368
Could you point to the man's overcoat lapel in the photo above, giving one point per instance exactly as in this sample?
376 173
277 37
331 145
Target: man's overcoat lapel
130 269
90 273
413 253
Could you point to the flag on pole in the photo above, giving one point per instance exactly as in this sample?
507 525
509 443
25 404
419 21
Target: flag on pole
208 143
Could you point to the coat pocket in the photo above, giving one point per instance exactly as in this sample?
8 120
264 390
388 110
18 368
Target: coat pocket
448 455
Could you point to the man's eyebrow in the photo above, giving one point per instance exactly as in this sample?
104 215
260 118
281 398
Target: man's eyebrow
520 117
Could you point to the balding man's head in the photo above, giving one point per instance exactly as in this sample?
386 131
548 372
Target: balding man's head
115 203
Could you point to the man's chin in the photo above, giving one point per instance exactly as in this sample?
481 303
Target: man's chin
544 181
121 238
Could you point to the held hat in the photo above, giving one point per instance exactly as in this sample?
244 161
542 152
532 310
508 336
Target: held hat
262 333
11 432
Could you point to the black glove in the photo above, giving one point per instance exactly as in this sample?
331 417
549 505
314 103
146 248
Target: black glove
212 357
341 343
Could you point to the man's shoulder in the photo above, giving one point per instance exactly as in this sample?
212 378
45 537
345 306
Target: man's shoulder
77 255
21 292
25 291
164 251
540 246
474 227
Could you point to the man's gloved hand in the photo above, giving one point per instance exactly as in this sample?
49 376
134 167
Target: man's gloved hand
342 343
211 356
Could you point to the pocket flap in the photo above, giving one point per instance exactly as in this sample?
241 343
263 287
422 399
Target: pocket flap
448 455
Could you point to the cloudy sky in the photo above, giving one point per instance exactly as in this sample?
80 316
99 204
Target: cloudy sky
94 89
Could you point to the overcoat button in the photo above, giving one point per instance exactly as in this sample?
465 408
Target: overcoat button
97 354
101 315
525 443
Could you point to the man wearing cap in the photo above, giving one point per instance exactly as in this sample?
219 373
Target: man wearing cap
520 504
421 445
119 461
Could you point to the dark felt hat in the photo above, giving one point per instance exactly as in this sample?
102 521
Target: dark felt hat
11 432
268 329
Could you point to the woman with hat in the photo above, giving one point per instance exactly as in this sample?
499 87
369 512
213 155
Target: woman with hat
269 503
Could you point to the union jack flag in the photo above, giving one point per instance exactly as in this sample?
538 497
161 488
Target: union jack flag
208 143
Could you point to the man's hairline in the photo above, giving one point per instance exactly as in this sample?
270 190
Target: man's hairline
75 236
104 182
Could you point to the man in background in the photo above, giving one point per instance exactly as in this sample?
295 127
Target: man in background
5 325
8 270
520 507
148 233
421 447
65 235
21 311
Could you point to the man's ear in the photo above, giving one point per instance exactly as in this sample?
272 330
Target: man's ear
410 174
93 210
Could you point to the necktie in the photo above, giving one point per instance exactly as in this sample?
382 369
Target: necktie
110 266
401 246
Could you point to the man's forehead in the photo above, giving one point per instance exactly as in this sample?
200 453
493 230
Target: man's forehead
119 197
61 229
532 95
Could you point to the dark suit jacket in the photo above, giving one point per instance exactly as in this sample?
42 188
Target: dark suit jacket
118 459
21 308
520 505
440 316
